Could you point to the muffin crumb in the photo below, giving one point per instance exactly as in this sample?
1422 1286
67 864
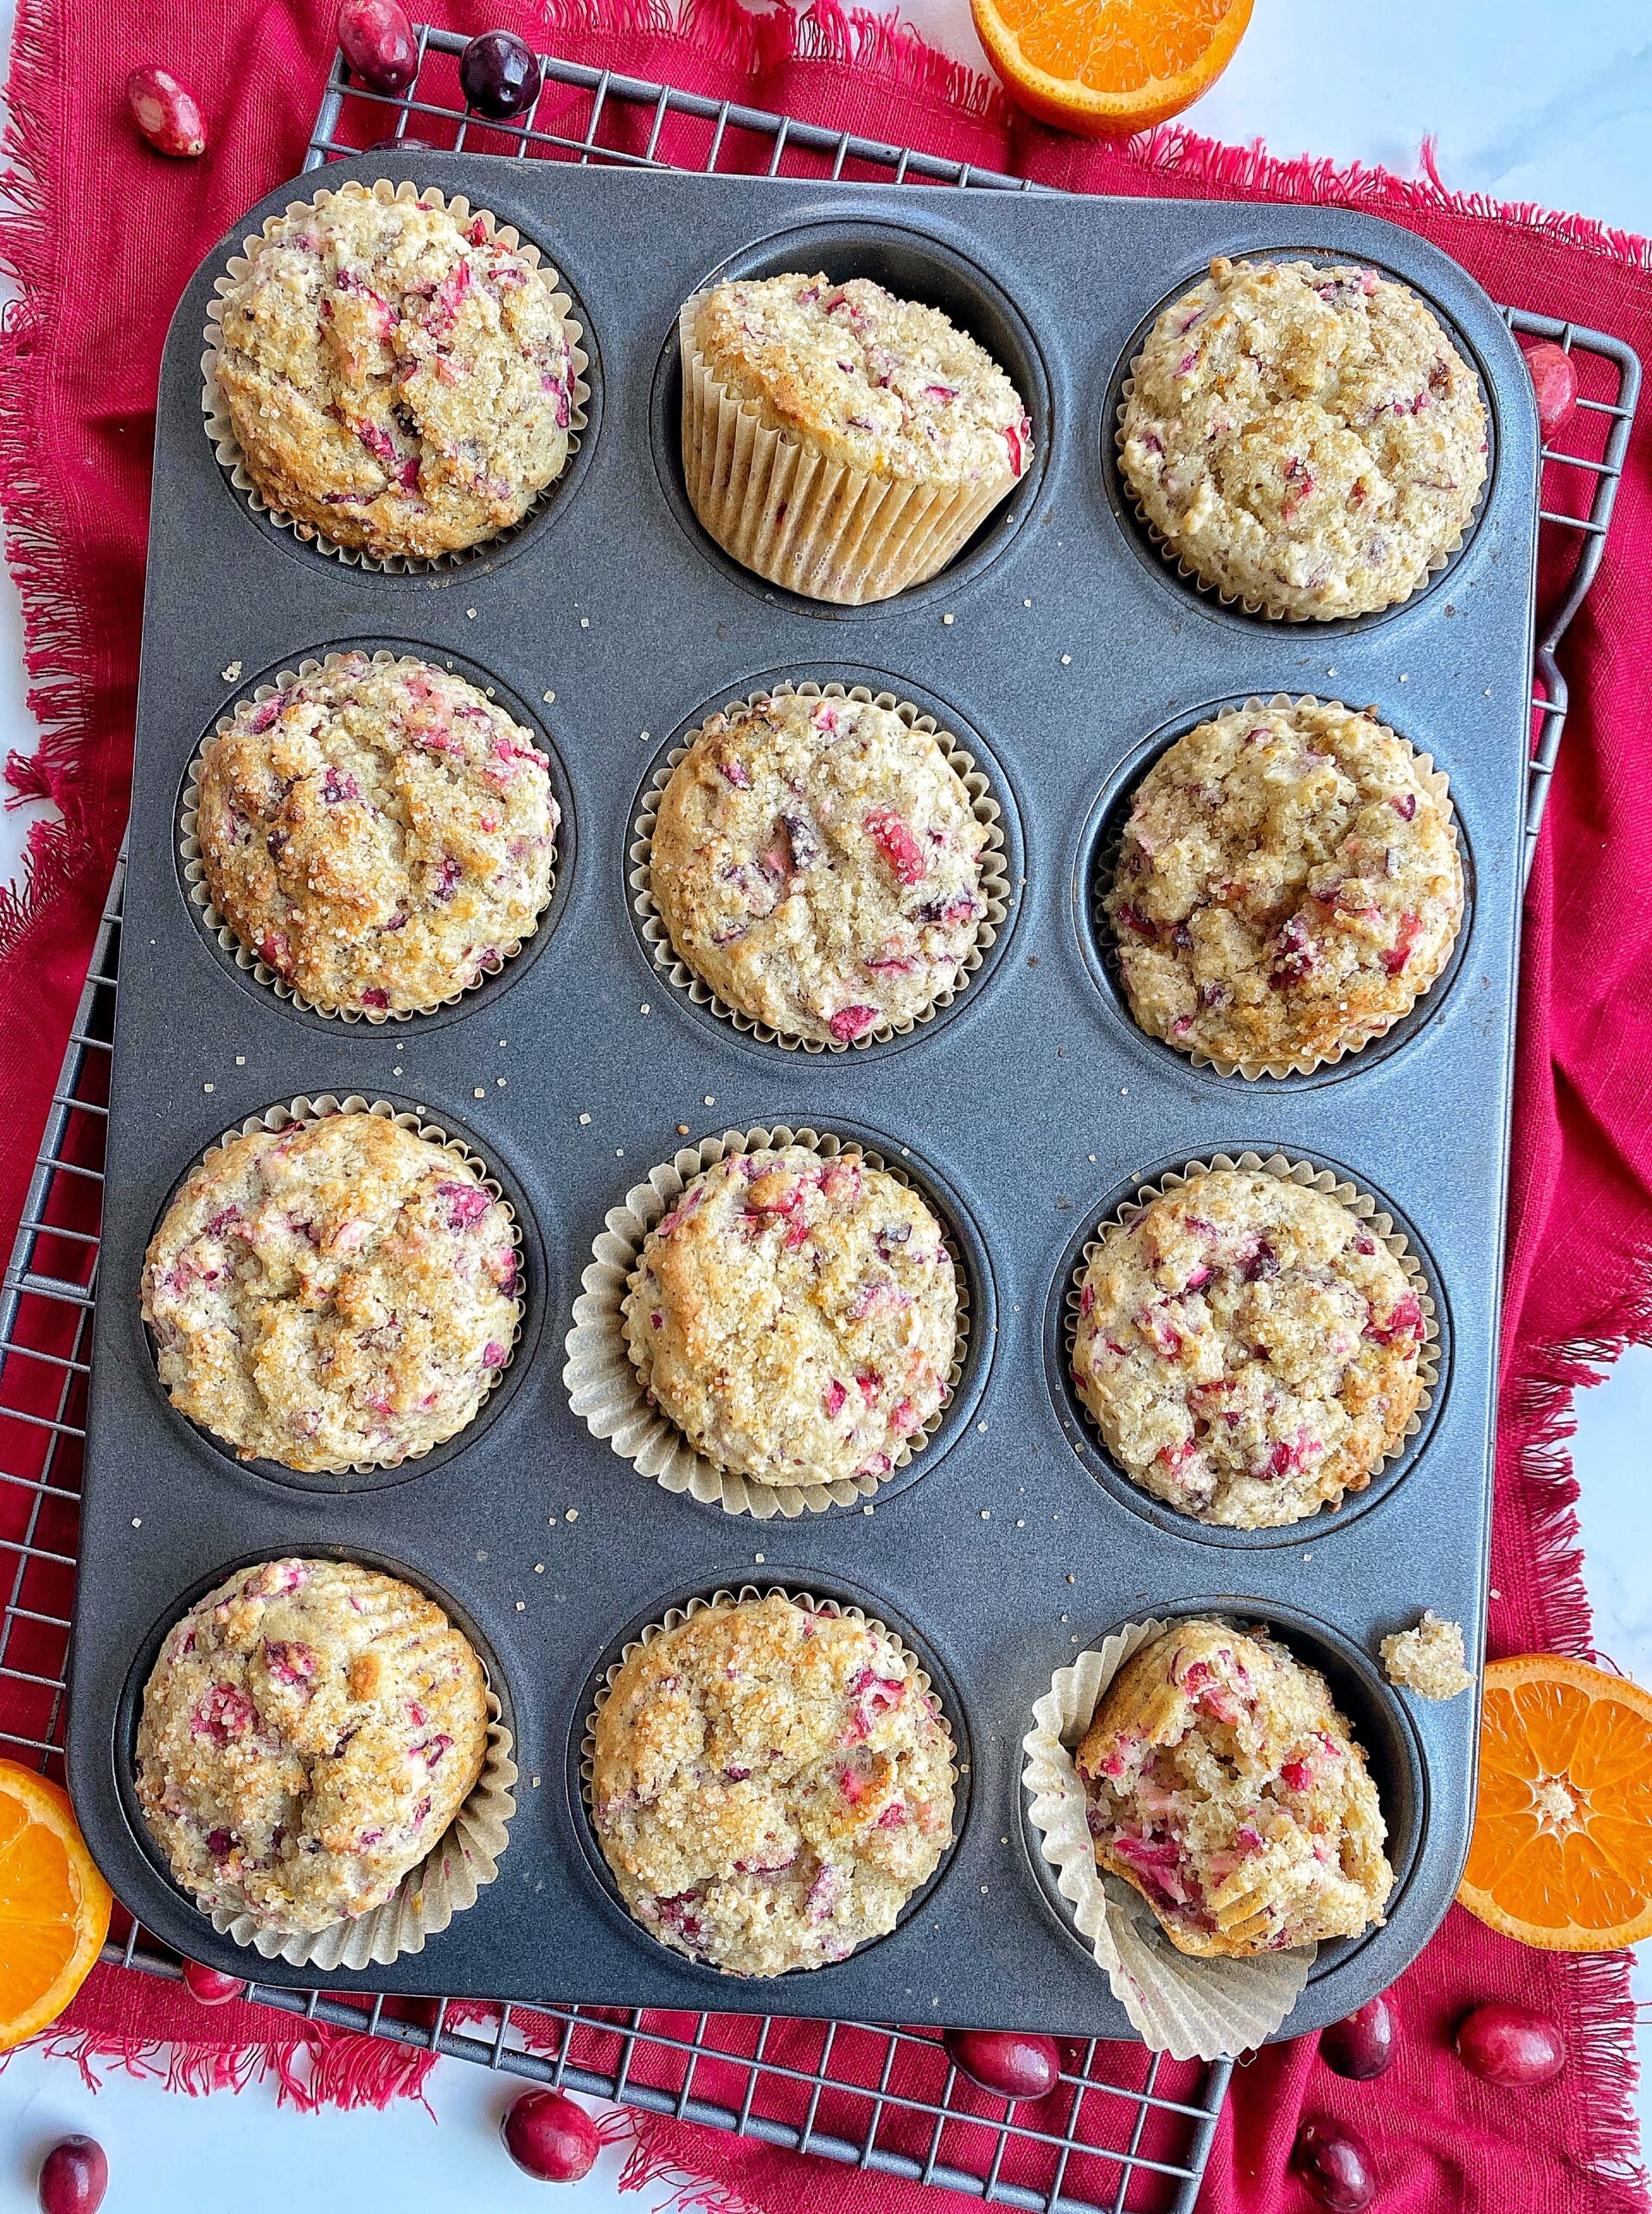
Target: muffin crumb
1428 1659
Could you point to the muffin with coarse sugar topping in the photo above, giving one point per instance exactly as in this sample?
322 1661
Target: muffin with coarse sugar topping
1228 1790
1305 437
771 1785
796 1316
335 1294
1288 886
379 833
395 379
1249 1348
817 862
840 440
309 1730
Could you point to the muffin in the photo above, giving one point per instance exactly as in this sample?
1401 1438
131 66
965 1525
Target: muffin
308 1732
396 381
1226 1788
1289 886
838 439
1248 1347
771 1785
379 834
817 862
796 1317
1306 438
336 1294
1428 1659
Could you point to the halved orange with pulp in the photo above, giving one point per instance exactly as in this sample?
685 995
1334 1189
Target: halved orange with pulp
1109 66
1562 1850
54 1904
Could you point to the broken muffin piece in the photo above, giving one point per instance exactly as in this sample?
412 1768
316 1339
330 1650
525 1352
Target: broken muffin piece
1427 1659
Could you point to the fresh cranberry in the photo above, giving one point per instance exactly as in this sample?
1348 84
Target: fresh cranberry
210 1986
550 2137
499 75
1362 2043
404 146
165 112
1013 2063
379 44
1554 380
1509 2045
1332 2162
74 2177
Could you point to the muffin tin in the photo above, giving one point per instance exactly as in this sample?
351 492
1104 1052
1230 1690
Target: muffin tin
1064 642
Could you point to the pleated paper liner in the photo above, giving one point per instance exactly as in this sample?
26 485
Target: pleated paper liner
221 431
1190 2007
816 526
304 1109
1357 1203
464 1860
199 892
606 1390
995 885
1106 873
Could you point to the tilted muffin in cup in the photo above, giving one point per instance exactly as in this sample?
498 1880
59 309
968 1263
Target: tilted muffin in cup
378 832
309 1731
1227 1789
838 439
396 381
817 862
1305 437
770 1784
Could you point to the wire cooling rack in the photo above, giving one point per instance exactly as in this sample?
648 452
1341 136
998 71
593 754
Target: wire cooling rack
1152 2145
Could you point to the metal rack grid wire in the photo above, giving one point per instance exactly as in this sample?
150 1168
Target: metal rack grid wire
1158 2151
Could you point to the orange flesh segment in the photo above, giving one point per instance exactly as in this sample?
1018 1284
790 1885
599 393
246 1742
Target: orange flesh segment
1117 46
54 1904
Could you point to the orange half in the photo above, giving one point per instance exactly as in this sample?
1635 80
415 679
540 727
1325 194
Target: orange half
1562 1850
1109 66
54 1904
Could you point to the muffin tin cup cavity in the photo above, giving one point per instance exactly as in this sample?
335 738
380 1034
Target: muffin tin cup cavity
1104 846
248 963
674 1616
996 870
221 431
605 1390
304 1109
458 1867
1086 1432
1150 541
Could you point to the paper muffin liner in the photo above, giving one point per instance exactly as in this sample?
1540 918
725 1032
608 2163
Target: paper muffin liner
994 883
1106 873
605 1388
199 893
1192 2008
675 1617
221 431
818 527
304 1109
464 1860
1359 1205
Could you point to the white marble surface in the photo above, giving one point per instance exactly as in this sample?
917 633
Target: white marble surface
1537 100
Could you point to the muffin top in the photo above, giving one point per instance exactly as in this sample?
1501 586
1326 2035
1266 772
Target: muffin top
771 1785
1289 885
1305 436
401 383
877 383
796 1317
337 1293
817 863
1248 1347
1229 1791
309 1731
379 833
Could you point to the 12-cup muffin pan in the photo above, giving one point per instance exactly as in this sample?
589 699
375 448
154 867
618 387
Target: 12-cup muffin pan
1061 650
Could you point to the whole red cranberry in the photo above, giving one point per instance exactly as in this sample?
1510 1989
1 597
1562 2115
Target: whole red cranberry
550 2137
1016 2063
1362 2043
1333 2164
74 2177
1509 2045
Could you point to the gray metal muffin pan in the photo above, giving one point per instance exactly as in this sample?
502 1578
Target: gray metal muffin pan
1066 644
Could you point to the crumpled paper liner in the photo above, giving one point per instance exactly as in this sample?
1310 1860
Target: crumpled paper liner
816 526
304 1109
200 894
1357 1203
605 1388
1301 1064
1191 2008
463 1861
221 431
995 885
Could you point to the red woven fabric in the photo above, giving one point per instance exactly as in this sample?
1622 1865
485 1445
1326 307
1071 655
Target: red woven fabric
106 237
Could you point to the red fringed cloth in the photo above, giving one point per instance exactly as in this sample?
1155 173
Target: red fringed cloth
105 237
